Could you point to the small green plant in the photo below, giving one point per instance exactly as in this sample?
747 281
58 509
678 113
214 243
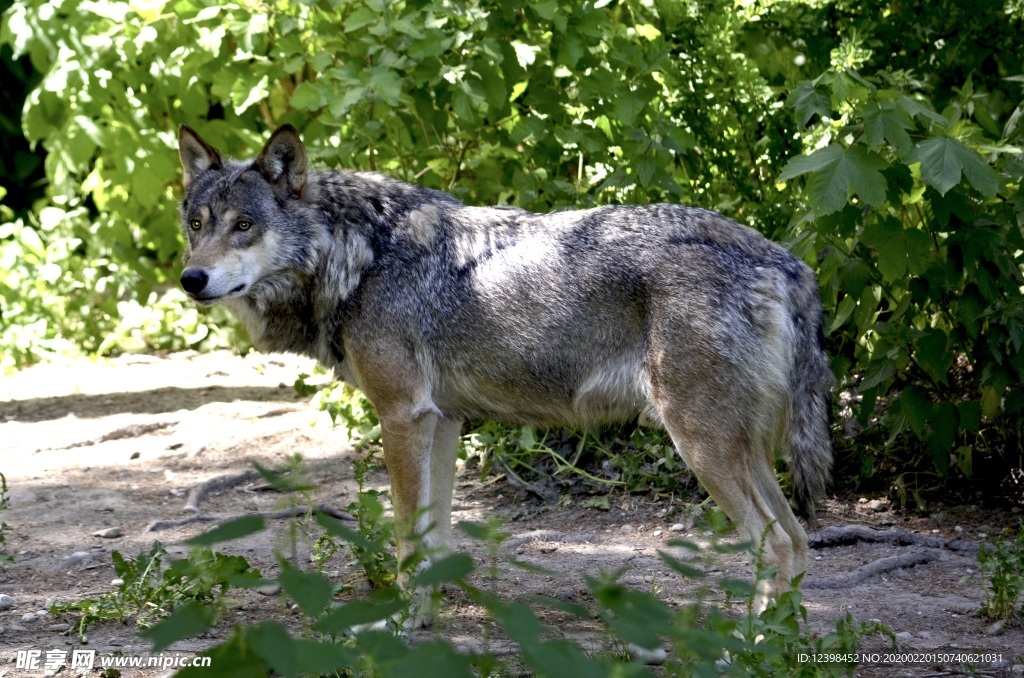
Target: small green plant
147 593
374 550
4 527
303 389
349 409
1001 564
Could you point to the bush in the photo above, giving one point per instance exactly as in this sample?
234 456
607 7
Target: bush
884 154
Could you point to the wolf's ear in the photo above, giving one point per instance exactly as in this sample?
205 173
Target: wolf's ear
283 161
196 155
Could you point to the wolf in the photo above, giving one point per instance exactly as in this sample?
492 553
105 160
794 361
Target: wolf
441 312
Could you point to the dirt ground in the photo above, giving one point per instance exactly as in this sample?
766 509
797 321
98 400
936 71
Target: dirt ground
119 444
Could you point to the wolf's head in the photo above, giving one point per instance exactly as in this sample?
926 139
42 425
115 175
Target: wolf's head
247 226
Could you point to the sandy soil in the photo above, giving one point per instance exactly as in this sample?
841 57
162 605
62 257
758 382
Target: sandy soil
119 444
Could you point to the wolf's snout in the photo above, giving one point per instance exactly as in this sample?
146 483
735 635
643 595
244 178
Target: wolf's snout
194 280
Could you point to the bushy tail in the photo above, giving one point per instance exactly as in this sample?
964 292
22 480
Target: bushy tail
810 412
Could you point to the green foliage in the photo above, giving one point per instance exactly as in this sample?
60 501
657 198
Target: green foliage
912 211
1001 564
351 411
146 593
374 536
362 635
886 153
704 640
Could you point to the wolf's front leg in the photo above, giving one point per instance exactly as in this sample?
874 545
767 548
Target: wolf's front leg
420 448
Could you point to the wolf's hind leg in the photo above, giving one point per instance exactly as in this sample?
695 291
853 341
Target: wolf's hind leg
742 483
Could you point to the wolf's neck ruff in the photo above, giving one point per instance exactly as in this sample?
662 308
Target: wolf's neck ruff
440 312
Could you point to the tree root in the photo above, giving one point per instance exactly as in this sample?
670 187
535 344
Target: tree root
220 483
199 492
294 512
931 548
840 535
548 536
872 569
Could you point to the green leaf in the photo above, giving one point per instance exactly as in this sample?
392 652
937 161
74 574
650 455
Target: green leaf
899 250
918 110
271 641
337 529
232 529
187 621
448 569
916 407
363 16
944 160
432 658
311 590
627 107
519 621
836 173
885 122
944 427
291 656
307 97
932 354
819 160
386 84
970 415
359 612
688 571
808 100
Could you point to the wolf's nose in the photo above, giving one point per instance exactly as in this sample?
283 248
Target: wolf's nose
194 280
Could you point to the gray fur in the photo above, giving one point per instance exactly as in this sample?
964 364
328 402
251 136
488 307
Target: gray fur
442 312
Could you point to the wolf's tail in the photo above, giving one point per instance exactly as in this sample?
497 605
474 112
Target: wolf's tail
810 411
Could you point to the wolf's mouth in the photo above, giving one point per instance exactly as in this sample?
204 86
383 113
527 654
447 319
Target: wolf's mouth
210 300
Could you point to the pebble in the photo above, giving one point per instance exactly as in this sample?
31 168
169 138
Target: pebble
876 505
626 528
75 559
269 589
116 582
904 635
6 602
108 533
982 535
678 527
958 529
1017 668
60 628
657 533
996 629
28 617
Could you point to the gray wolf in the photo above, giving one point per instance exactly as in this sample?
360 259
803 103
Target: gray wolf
441 312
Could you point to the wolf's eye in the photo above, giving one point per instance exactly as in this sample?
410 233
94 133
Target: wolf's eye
195 224
243 225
